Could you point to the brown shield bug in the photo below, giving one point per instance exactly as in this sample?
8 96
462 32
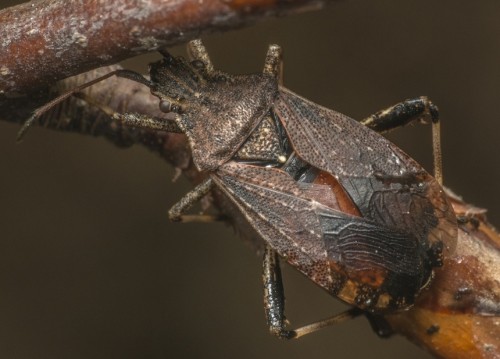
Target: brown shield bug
329 195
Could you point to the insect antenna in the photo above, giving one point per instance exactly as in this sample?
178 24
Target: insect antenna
131 75
341 317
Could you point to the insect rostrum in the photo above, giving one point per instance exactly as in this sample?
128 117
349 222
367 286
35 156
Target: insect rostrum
332 197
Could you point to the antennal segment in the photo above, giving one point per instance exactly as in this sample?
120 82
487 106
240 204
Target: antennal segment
128 74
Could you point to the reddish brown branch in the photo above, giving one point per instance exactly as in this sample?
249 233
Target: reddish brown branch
47 40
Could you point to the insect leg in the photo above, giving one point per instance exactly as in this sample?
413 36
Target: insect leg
197 51
131 75
274 303
176 213
420 108
146 122
132 119
379 325
274 297
273 64
417 109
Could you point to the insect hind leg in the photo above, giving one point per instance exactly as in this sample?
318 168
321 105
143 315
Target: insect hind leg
274 297
379 325
274 303
419 109
411 110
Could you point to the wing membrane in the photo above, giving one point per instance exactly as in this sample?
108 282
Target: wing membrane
387 186
315 238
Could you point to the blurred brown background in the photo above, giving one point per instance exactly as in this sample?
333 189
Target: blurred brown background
91 268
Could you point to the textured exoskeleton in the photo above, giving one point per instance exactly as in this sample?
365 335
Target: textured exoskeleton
331 196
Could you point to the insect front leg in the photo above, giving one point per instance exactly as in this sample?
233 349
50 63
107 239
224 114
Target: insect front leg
178 210
132 119
274 303
197 51
417 109
273 64
146 122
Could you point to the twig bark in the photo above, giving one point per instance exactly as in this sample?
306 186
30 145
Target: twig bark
47 40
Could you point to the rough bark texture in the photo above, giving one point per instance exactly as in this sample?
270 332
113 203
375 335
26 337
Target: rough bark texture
48 40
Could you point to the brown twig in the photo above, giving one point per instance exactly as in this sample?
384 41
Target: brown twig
47 40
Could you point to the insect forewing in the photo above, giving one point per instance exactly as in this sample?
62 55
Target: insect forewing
387 186
272 202
345 254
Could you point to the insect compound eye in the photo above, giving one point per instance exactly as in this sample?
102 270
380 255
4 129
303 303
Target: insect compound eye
166 106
